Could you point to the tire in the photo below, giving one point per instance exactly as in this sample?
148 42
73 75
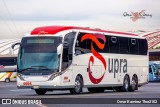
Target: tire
78 86
126 84
40 91
7 80
96 90
134 84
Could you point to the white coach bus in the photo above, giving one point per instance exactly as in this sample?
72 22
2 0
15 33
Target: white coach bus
72 58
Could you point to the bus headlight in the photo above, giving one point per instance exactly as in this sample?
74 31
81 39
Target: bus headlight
20 76
53 76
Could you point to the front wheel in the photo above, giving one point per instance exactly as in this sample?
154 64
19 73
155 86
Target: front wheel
78 86
40 91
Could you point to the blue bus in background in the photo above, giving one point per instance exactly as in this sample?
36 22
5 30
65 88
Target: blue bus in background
154 73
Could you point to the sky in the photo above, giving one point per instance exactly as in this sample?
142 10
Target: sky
18 17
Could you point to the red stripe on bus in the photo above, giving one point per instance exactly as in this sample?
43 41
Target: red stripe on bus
56 29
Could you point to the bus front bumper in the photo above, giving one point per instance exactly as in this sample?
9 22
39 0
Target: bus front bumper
53 84
45 87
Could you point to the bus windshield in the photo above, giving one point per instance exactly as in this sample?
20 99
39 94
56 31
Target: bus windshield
38 55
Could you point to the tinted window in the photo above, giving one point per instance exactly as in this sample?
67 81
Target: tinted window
95 46
113 44
133 44
39 44
106 47
124 47
69 38
8 61
84 46
143 47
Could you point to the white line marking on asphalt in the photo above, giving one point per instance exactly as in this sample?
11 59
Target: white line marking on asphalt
21 90
8 85
42 105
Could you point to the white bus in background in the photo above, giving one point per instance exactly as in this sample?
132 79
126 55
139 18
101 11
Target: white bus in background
72 58
8 68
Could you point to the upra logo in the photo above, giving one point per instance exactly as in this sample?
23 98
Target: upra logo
94 38
115 65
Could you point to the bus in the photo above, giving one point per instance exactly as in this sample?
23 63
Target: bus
72 58
8 68
154 73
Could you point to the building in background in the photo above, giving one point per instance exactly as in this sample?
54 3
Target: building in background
5 47
153 39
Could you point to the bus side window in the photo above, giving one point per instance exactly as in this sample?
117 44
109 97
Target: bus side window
124 47
133 46
143 46
113 44
106 46
82 47
8 61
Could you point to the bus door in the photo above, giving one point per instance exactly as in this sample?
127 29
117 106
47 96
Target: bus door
67 58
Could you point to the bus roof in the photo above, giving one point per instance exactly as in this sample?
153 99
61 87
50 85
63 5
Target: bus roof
56 29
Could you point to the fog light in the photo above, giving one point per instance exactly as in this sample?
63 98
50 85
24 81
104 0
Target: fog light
36 87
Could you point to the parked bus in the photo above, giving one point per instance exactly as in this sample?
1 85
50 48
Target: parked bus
72 58
154 74
8 68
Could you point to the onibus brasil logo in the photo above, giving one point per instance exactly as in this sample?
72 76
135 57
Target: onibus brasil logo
115 65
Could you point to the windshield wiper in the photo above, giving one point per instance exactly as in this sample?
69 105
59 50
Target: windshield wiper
41 67
36 68
27 69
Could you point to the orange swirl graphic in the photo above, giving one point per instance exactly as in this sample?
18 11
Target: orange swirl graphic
94 38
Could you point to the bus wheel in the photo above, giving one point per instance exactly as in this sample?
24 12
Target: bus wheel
96 90
133 85
40 91
78 86
7 80
126 84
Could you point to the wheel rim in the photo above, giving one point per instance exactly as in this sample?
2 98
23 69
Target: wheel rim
7 80
126 84
77 86
133 83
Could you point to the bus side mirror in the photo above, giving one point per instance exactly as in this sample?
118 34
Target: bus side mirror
18 43
12 48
